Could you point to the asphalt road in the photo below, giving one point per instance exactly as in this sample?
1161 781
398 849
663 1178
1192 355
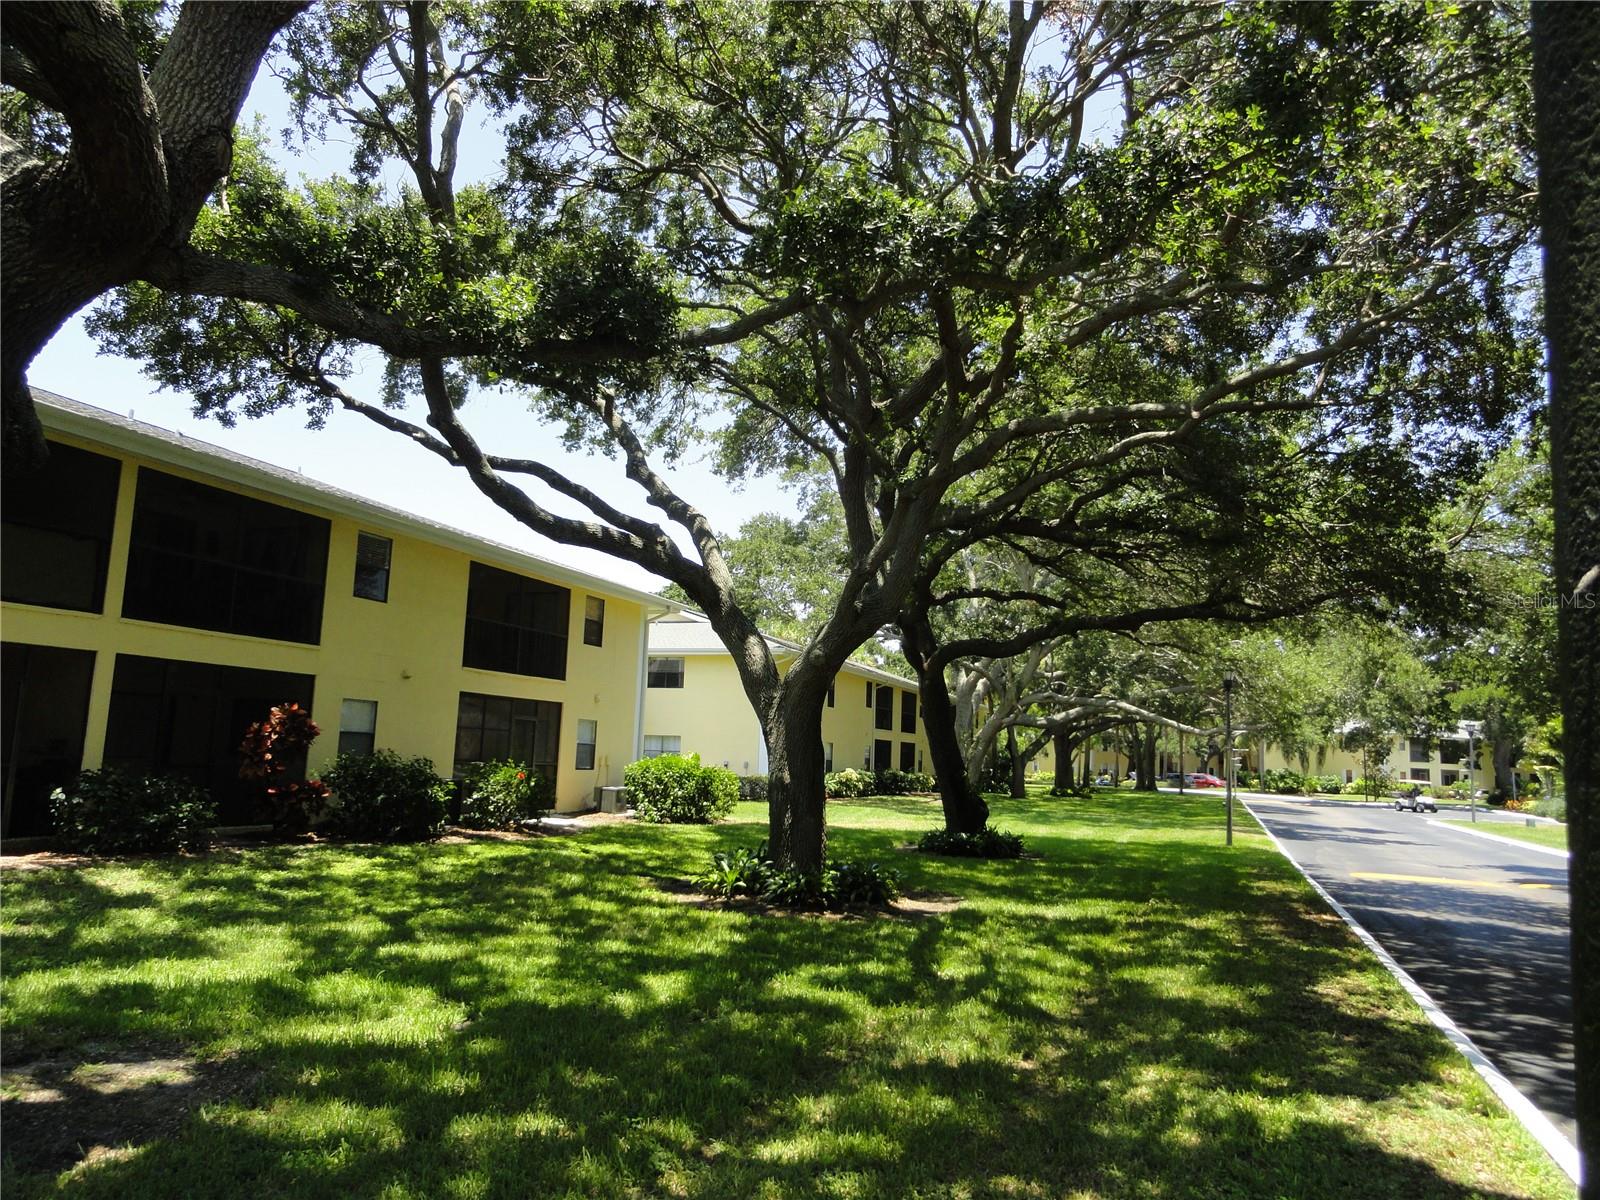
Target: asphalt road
1481 925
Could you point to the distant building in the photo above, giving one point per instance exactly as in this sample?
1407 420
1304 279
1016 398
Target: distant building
694 704
160 594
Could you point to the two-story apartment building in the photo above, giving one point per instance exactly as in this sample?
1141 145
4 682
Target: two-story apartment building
694 704
160 594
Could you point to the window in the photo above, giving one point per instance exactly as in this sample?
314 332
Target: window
594 621
665 673
882 754
586 741
883 717
657 744
372 566
1421 775
44 713
1349 775
869 693
189 718
1452 751
210 559
358 725
495 728
908 713
1420 751
57 536
827 758
831 687
1449 777
515 624
908 755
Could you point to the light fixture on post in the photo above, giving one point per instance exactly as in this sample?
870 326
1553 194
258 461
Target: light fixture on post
1229 682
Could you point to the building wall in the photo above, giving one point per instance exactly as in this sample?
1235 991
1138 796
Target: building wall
710 714
712 717
404 653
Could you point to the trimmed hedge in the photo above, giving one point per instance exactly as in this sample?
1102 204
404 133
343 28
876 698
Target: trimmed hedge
386 798
676 789
117 811
849 783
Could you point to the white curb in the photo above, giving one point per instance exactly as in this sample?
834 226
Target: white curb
1535 1122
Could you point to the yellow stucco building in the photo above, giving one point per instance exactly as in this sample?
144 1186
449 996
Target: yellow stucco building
160 594
695 705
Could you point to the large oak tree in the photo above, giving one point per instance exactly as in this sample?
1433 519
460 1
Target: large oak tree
924 246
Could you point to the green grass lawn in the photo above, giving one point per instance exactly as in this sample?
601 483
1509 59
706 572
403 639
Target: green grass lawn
1542 835
1135 1012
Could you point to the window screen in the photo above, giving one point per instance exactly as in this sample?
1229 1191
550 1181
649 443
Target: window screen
665 673
372 566
57 536
884 708
496 728
587 735
358 726
594 621
211 559
515 624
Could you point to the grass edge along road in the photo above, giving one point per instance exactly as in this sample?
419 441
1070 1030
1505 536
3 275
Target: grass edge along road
1135 1011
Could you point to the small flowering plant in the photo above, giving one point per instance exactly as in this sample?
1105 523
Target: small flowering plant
502 795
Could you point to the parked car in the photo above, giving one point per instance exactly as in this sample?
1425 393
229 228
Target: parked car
1413 799
1202 779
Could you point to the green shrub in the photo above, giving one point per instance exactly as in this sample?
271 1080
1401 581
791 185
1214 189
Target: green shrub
387 798
501 795
848 784
1283 781
739 872
901 783
1364 786
752 787
988 842
116 811
841 884
1326 784
1554 807
676 789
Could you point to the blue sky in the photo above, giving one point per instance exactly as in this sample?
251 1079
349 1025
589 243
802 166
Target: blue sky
351 453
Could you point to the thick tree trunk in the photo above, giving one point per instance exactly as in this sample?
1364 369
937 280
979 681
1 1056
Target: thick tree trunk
1566 84
796 804
1505 780
1144 759
1019 765
1064 751
965 810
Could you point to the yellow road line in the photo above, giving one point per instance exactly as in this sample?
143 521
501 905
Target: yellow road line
1490 884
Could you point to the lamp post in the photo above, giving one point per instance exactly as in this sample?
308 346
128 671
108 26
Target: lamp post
1229 682
1472 792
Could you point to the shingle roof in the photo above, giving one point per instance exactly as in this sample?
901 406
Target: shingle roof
65 415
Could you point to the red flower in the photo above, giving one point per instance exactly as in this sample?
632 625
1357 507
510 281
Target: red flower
522 774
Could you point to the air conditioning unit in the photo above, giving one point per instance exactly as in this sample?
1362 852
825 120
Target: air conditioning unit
611 799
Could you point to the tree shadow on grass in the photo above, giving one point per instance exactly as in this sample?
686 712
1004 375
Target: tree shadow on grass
1117 1019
